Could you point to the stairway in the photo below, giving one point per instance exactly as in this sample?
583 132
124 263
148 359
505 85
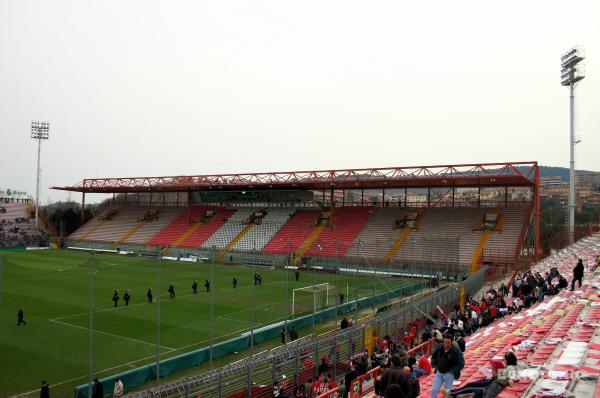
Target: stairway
231 244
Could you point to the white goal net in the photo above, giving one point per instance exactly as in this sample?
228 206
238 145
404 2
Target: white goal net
309 298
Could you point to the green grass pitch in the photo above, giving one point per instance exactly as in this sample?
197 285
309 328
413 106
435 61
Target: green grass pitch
52 289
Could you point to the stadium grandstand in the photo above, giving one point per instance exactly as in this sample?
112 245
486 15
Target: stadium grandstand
465 239
17 226
461 215
554 339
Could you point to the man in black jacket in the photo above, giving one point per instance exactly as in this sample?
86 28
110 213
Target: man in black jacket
577 274
351 375
448 361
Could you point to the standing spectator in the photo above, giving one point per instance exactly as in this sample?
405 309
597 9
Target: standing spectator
423 366
448 361
149 294
308 388
195 287
234 282
171 290
20 318
115 297
207 285
393 375
297 275
425 336
577 274
97 390
407 338
323 366
45 390
127 297
118 390
282 332
351 375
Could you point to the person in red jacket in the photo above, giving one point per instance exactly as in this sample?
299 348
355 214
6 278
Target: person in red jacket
423 367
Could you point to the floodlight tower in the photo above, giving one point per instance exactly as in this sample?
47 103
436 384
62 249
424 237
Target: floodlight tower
39 131
571 73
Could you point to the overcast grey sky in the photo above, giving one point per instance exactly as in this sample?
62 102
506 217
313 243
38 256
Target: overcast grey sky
137 88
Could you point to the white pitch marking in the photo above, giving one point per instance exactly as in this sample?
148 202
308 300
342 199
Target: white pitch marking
110 334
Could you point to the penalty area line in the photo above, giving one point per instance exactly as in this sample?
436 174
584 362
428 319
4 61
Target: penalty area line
111 334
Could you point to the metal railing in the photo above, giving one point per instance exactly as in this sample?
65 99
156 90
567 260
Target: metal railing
294 363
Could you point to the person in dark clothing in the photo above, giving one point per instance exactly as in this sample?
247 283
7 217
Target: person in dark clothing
394 375
297 275
342 298
293 333
97 390
234 282
282 333
127 297
461 342
344 323
352 374
448 361
207 285
20 318
149 295
171 290
45 390
115 298
195 287
562 282
323 366
255 278
577 274
413 383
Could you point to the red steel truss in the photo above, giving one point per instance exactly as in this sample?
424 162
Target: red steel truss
464 175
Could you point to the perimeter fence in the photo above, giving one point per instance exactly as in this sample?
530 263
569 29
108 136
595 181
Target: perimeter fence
294 363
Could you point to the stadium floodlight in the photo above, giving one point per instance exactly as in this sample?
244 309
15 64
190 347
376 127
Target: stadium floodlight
571 73
39 131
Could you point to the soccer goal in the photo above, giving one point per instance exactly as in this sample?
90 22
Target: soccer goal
305 299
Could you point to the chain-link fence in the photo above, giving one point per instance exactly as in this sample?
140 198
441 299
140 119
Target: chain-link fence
296 362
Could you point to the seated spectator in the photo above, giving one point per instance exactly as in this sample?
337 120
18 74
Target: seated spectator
344 323
423 367
460 341
502 375
414 388
562 282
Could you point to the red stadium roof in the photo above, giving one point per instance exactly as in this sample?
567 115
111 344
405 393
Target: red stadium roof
463 175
